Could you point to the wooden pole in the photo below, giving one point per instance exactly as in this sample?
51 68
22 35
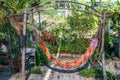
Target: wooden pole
118 39
119 44
24 45
102 45
102 48
9 48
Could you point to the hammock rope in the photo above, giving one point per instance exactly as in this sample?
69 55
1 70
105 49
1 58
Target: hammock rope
74 63
68 71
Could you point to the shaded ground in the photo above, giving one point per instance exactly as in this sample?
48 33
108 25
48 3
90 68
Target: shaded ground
110 66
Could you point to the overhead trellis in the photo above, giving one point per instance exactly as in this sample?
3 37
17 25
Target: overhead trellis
64 4
69 5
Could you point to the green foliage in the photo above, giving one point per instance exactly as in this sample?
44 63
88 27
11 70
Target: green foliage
2 61
16 6
97 73
82 22
74 46
41 58
2 70
36 70
3 31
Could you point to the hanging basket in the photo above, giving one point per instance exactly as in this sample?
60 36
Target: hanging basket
16 20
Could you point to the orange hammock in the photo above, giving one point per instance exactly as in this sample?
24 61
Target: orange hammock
72 64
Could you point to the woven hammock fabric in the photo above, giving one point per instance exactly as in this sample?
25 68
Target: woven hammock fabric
70 64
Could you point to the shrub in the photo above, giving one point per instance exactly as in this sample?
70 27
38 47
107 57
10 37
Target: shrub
97 73
40 56
36 70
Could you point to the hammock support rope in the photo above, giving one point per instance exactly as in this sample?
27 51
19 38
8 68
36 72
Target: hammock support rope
74 63
68 71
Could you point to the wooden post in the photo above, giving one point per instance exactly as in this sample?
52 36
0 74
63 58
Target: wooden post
24 45
119 44
118 39
102 50
9 48
102 45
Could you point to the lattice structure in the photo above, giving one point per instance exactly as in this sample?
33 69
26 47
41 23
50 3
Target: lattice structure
64 5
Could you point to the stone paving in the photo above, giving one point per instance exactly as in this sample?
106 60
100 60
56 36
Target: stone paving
110 66
66 76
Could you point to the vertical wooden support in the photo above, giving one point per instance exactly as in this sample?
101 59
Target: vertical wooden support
9 47
39 19
119 44
118 39
109 25
104 68
102 45
24 45
102 50
19 52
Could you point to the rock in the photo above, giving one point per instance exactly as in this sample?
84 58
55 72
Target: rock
117 64
111 67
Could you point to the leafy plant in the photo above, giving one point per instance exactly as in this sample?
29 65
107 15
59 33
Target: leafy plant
97 73
41 58
3 31
36 70
2 61
15 6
